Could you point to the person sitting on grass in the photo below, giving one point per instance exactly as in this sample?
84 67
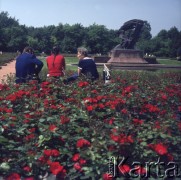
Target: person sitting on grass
55 63
27 66
86 66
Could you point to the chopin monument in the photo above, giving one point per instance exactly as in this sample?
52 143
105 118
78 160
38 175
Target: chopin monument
125 52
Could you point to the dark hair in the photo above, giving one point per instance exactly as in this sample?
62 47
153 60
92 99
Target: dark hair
28 49
55 50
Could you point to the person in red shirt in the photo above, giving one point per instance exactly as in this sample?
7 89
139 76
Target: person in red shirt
55 63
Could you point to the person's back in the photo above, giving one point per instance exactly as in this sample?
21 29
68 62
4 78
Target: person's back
86 65
55 63
88 68
27 66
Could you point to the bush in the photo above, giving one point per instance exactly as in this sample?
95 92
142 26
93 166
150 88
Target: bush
70 131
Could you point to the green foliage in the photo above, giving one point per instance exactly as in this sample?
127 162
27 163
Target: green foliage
97 38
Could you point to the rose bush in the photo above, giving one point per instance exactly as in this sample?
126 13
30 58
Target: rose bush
70 131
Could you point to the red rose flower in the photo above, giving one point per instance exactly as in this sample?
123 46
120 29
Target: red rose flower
76 157
89 108
160 149
124 111
82 143
47 152
77 166
64 119
107 176
27 168
137 121
55 153
55 168
82 161
52 128
82 84
124 169
14 176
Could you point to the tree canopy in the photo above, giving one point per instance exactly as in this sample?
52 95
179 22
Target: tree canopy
97 38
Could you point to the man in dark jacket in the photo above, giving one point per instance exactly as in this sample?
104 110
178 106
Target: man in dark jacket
27 66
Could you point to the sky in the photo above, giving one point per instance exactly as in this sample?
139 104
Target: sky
160 14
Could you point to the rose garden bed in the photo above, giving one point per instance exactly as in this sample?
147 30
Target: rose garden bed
74 131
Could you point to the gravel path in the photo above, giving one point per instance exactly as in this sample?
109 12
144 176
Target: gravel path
8 70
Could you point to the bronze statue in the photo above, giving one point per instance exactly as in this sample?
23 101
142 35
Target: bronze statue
129 33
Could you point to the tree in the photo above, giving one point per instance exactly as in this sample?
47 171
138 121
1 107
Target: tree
73 37
175 41
97 39
145 38
7 21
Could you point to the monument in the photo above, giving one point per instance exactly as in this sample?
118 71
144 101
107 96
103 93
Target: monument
125 52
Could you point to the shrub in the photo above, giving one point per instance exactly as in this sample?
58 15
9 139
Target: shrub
70 131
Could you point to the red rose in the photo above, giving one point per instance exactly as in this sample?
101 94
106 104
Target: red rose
55 168
77 166
76 157
82 161
82 84
124 111
124 169
137 121
27 168
55 153
64 120
160 149
14 176
52 127
89 108
82 142
107 176
47 152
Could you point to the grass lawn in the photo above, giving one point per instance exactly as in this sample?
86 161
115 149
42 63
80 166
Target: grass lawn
74 60
169 62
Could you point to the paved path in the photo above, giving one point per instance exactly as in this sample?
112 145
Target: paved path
8 70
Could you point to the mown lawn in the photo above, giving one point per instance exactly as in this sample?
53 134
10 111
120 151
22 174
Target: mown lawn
169 62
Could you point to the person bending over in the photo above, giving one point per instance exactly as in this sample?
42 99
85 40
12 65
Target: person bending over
27 66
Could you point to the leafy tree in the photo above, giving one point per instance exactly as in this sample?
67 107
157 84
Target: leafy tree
97 39
7 21
175 41
73 37
144 43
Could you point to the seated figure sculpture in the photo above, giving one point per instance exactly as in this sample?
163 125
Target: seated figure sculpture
126 52
129 33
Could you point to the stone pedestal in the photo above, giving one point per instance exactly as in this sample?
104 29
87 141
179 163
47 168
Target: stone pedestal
128 56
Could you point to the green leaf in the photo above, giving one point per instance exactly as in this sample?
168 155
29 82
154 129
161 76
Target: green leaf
3 139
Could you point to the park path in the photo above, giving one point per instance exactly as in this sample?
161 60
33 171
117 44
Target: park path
7 70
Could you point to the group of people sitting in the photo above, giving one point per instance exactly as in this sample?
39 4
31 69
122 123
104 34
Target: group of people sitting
28 66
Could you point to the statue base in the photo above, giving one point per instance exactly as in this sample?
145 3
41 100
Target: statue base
127 56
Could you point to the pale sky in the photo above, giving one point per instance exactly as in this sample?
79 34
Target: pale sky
161 14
